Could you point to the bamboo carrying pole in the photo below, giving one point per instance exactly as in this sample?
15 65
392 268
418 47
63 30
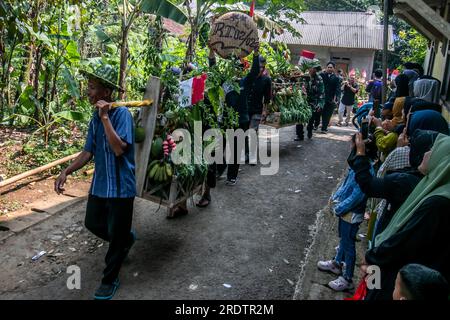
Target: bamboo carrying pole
37 170
131 104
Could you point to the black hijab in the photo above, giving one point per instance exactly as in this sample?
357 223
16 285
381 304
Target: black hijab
421 142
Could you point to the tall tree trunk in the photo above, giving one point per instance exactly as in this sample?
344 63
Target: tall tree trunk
28 78
192 40
126 24
24 76
55 80
37 70
6 76
3 62
123 63
34 51
45 91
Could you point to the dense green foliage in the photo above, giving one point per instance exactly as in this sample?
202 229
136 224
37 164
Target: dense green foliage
44 45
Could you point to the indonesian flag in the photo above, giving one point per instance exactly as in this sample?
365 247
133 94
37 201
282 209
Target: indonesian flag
306 56
192 91
252 9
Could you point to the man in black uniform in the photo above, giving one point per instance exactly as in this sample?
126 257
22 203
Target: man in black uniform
331 83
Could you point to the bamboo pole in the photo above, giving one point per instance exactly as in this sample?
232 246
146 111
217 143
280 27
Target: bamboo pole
37 170
131 104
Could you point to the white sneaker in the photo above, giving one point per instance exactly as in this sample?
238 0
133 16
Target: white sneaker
341 284
329 266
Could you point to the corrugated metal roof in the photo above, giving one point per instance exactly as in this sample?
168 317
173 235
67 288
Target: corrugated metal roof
337 29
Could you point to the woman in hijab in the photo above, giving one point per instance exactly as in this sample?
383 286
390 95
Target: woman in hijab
427 89
401 93
418 105
418 232
427 120
400 158
396 185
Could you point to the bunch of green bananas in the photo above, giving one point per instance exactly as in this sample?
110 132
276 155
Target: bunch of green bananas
159 171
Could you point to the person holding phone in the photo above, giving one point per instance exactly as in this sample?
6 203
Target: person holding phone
349 88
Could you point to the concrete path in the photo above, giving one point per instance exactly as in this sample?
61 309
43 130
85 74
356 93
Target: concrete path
250 243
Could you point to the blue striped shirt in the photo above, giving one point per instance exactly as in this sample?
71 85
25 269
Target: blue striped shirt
114 177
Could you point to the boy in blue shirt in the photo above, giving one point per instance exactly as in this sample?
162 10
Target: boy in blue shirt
109 209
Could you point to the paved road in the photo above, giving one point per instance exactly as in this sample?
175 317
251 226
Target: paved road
251 238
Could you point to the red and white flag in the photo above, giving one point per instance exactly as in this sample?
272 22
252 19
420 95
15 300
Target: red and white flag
192 91
306 56
252 8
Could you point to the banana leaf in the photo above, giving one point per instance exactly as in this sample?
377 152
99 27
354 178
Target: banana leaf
164 8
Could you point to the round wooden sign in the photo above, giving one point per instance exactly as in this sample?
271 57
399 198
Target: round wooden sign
234 33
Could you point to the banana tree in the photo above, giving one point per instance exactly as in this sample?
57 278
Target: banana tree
129 11
48 119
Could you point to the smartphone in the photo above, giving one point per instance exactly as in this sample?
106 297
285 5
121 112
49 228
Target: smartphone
365 128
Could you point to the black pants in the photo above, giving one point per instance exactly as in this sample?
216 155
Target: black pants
211 175
299 131
327 112
313 122
233 169
216 169
110 219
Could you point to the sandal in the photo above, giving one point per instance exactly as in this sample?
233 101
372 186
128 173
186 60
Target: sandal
204 201
178 212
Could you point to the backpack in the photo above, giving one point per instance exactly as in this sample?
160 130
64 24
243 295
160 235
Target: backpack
362 112
376 90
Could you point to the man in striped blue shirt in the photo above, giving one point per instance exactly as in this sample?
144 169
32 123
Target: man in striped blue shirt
110 141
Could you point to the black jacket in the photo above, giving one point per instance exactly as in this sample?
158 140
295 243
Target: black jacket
239 101
259 94
331 83
423 240
395 186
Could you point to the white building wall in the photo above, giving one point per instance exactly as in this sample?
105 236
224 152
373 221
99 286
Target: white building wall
358 58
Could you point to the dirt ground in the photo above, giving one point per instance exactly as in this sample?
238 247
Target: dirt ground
248 244
20 195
